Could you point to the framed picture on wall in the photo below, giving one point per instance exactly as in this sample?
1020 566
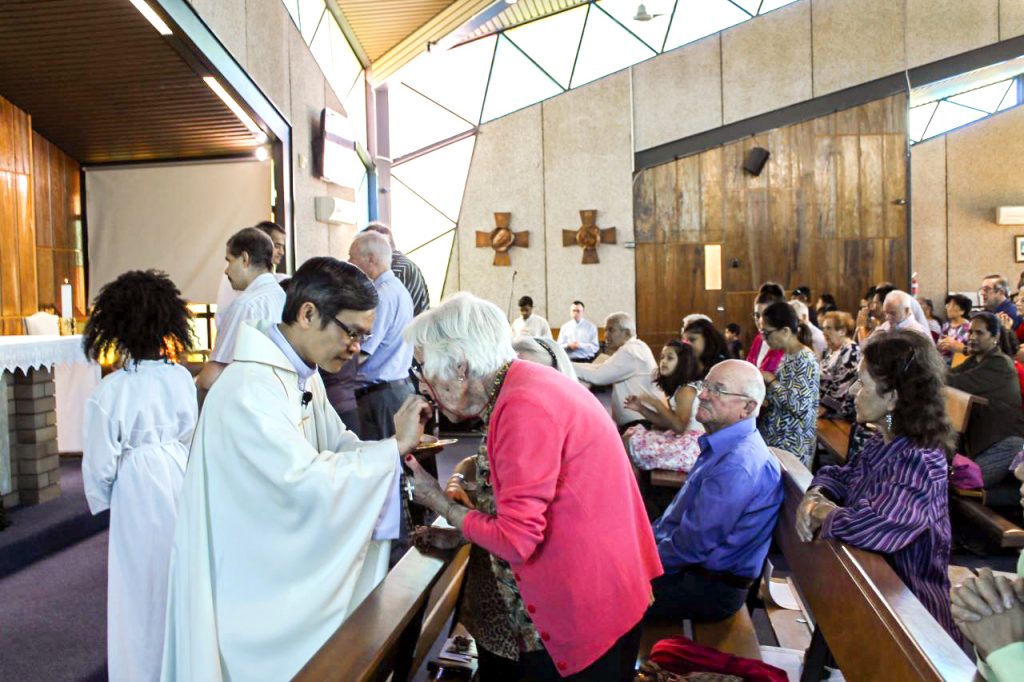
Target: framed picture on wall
1018 248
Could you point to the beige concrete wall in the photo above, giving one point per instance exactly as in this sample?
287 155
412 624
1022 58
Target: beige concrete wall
958 180
263 39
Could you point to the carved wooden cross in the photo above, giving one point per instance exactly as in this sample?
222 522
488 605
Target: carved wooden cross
589 235
501 238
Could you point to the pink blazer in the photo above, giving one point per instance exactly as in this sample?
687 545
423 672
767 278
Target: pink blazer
772 359
570 519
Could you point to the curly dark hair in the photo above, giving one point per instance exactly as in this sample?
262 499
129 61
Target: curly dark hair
687 369
137 316
906 362
716 347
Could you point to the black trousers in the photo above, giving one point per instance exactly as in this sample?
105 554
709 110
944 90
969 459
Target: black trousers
681 596
616 665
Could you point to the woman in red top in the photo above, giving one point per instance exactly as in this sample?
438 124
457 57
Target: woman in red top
573 554
762 357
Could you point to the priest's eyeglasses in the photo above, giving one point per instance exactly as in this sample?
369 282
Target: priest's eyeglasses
354 336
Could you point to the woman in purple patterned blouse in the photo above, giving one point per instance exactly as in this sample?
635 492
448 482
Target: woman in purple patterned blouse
892 497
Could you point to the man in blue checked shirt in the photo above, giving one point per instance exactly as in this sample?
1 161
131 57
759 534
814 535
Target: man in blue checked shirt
715 535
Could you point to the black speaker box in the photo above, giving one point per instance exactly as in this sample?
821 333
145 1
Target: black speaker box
756 159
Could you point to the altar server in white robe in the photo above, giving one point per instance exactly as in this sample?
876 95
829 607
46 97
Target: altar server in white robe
249 255
285 516
137 429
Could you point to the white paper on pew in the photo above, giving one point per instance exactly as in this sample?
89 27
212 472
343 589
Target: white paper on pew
441 522
782 595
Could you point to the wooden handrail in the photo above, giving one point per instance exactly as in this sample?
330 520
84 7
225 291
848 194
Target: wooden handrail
379 638
874 626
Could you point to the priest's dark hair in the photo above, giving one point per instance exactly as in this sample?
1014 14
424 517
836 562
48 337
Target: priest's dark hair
140 315
256 243
332 286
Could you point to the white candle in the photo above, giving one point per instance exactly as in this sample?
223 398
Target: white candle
65 301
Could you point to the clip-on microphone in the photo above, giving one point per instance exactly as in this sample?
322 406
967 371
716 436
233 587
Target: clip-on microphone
307 397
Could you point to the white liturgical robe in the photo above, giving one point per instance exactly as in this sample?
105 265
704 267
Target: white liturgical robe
273 548
534 325
137 428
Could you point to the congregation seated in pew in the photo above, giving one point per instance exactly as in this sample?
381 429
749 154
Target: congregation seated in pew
893 496
838 366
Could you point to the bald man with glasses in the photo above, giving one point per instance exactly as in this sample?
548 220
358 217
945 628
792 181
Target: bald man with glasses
714 537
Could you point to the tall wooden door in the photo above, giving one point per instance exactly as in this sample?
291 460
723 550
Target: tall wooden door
828 211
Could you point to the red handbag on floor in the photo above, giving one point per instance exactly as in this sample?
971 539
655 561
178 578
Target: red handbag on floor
682 655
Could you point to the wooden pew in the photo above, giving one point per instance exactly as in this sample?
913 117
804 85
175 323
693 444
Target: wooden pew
863 614
834 437
380 639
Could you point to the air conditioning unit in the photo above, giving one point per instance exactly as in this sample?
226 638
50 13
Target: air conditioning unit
1010 215
334 210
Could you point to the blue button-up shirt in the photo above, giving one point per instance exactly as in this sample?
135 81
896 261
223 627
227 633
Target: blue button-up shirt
1010 308
390 356
723 518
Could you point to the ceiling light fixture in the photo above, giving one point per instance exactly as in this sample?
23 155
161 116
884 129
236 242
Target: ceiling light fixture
152 17
262 154
233 106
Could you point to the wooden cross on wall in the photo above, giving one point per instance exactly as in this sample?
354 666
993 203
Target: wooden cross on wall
501 238
589 235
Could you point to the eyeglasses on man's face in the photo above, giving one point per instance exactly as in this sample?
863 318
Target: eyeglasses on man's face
353 336
715 389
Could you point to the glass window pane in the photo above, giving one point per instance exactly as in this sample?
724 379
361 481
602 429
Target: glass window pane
440 176
1011 96
552 42
606 48
750 6
310 12
948 116
345 66
413 221
919 117
433 259
416 122
986 98
293 10
456 78
695 20
515 82
769 5
355 106
653 30
321 49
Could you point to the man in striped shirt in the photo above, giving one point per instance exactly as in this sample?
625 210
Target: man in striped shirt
405 270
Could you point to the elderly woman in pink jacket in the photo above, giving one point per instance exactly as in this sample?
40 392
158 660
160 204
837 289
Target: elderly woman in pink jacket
564 553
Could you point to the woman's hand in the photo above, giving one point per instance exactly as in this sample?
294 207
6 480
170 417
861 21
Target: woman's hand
1006 320
811 514
427 491
456 491
768 377
436 538
633 402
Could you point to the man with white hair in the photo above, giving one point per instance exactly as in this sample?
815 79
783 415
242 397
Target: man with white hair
382 383
803 315
898 308
714 537
629 370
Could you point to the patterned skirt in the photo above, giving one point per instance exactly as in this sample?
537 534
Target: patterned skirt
651 449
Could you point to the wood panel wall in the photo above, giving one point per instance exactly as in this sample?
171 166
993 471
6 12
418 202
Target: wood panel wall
828 211
58 210
17 228
40 229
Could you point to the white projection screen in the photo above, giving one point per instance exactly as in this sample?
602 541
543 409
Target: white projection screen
172 217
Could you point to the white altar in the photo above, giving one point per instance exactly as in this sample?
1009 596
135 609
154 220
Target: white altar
74 379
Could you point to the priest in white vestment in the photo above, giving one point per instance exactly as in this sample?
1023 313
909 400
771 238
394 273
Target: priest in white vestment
285 516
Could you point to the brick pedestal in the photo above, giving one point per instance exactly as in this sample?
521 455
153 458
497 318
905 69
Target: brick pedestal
33 436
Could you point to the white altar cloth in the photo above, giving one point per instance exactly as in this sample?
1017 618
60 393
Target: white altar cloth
74 375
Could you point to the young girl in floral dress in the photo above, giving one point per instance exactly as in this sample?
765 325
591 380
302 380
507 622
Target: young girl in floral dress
672 442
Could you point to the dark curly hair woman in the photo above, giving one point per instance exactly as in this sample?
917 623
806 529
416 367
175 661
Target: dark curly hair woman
138 429
892 497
